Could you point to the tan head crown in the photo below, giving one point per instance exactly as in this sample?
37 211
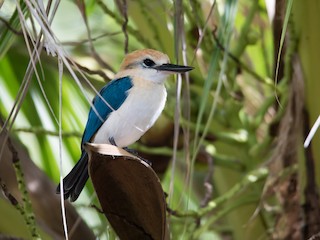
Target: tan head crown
149 65
139 58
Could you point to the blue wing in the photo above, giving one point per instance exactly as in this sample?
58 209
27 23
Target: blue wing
114 93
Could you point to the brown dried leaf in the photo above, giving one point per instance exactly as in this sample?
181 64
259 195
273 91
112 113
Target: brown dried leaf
129 192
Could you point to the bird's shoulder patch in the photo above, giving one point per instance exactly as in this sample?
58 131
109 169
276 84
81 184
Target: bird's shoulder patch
110 98
116 91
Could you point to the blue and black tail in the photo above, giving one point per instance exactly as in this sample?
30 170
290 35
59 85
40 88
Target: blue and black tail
75 181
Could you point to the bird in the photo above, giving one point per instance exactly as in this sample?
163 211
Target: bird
124 109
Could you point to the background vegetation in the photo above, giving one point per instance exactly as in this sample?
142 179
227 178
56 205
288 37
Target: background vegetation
229 145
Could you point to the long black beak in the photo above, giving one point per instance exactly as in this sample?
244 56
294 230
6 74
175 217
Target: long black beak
173 68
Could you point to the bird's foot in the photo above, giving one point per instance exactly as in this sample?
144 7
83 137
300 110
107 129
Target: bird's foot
112 141
132 151
135 153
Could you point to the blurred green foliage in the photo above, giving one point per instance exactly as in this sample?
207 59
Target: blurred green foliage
227 103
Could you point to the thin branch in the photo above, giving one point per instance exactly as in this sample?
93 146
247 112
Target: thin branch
47 132
250 179
9 196
85 69
238 62
312 132
124 25
7 24
26 209
71 43
89 71
207 183
178 24
202 32
130 30
95 207
82 7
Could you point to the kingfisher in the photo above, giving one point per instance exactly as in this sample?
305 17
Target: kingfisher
124 109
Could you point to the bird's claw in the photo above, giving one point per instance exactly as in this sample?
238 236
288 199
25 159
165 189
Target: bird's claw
135 153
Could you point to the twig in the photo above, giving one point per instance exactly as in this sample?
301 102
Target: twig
99 210
192 214
125 25
89 71
220 214
26 209
7 24
12 200
71 43
207 183
9 196
238 62
40 130
251 178
130 30
202 32
82 7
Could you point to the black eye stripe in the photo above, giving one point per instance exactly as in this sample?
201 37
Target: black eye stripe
148 62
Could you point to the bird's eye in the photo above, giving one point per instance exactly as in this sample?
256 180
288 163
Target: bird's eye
148 62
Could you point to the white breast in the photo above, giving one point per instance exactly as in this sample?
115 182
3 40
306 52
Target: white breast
136 115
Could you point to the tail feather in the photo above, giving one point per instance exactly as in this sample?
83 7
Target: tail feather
80 184
75 181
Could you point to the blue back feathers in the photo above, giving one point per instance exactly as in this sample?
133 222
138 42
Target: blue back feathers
114 93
